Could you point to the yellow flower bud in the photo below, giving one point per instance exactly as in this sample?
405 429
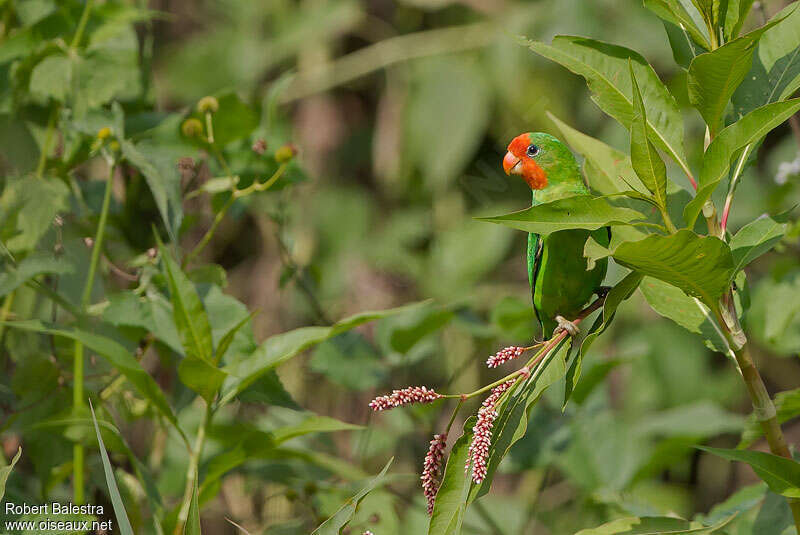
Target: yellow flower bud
192 128
104 133
207 104
114 146
285 153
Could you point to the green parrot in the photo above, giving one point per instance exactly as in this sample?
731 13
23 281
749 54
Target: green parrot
561 286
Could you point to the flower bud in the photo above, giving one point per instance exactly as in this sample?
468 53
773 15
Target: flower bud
285 153
104 133
192 128
260 146
207 105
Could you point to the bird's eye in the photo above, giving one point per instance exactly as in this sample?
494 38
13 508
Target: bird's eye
532 151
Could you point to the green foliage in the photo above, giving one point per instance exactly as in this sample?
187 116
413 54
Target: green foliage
208 334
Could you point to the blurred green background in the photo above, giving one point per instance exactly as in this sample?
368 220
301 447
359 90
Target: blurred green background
401 111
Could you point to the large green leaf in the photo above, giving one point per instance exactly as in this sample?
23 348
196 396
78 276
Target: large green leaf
775 74
755 239
674 13
342 517
201 376
605 68
729 145
52 77
781 475
113 491
34 265
701 266
117 356
578 212
36 202
188 311
451 499
645 159
653 525
715 75
671 302
608 171
281 347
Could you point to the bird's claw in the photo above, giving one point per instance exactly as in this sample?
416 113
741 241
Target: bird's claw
566 325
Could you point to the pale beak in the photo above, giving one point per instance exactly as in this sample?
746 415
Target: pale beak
511 164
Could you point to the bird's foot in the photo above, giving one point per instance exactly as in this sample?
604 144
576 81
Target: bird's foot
566 325
602 291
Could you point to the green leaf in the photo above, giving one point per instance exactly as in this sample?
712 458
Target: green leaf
448 93
673 12
201 376
281 347
34 265
701 266
605 68
607 170
755 239
622 291
671 302
699 419
161 173
578 212
735 16
715 75
312 424
36 202
451 499
781 475
6 471
52 77
192 526
653 525
233 120
514 412
227 339
342 517
775 74
644 157
729 143
152 313
113 491
187 310
117 356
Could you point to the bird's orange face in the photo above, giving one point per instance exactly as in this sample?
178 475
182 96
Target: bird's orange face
521 160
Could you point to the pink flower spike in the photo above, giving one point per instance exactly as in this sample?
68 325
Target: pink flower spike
406 396
432 469
482 433
504 355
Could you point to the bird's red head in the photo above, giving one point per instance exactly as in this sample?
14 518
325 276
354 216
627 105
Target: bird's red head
520 160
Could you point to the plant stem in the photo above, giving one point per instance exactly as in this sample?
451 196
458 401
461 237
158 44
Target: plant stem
763 407
667 220
48 138
235 194
76 40
764 410
4 311
191 471
77 369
